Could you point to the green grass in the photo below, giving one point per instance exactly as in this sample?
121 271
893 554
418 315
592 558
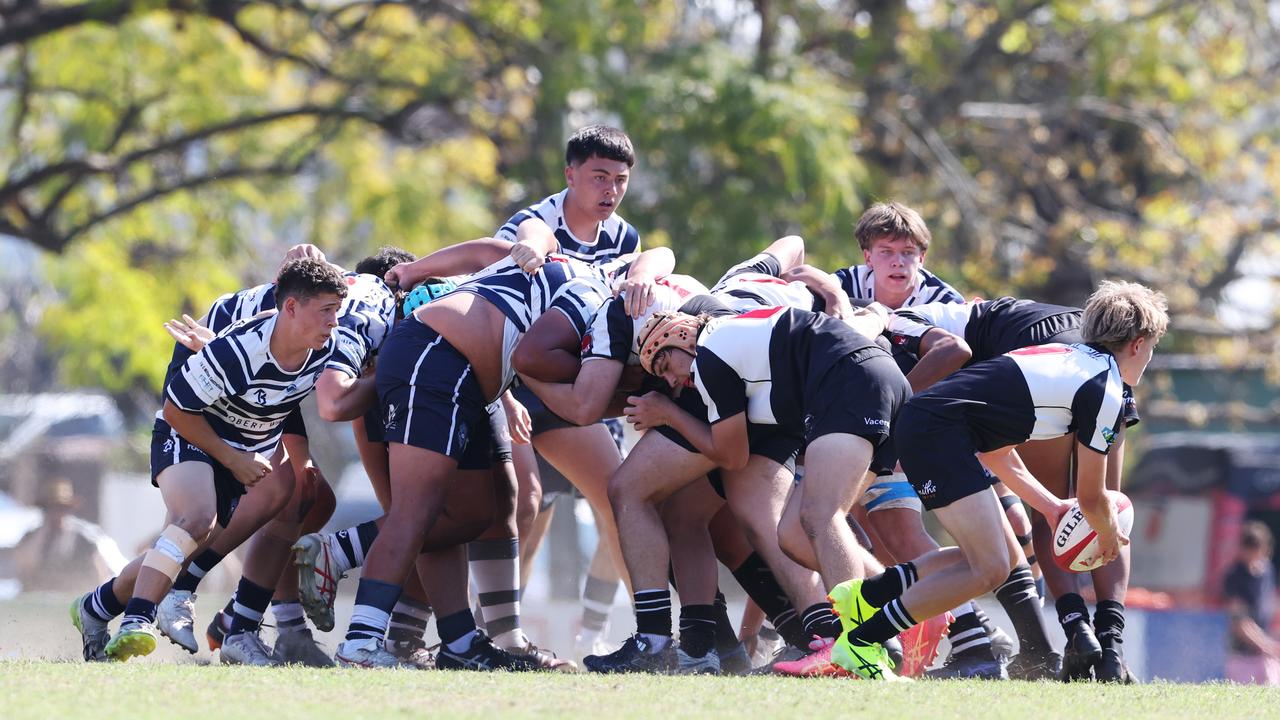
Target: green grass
139 690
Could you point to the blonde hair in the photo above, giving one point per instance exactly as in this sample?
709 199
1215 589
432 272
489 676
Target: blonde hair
893 221
1120 312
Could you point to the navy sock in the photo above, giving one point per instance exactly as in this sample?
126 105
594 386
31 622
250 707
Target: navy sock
251 601
372 613
726 635
140 610
791 629
455 626
199 566
102 602
820 621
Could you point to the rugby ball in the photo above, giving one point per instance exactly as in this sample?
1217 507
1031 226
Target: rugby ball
1075 544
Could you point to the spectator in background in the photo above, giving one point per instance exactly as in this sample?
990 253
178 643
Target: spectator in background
1249 595
65 552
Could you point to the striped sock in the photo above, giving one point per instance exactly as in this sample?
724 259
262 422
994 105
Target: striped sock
190 578
597 599
251 601
102 603
409 621
968 638
495 571
139 610
788 625
457 630
372 611
347 548
697 629
887 622
288 615
653 612
889 584
819 621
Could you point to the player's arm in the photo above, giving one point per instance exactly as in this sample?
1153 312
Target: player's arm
941 353
1091 473
587 398
823 284
789 251
1008 466
642 277
461 259
534 241
723 443
549 351
340 397
247 467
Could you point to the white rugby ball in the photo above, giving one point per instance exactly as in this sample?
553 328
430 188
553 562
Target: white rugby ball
1075 544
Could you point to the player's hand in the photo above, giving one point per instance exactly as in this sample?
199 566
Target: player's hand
397 278
640 293
519 421
527 258
303 251
648 411
248 468
189 333
1110 539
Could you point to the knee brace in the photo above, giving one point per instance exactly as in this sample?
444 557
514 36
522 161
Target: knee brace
171 550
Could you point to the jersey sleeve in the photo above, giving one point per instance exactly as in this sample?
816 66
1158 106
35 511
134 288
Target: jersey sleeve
580 300
611 333
847 278
204 377
722 389
1097 411
630 241
508 230
906 330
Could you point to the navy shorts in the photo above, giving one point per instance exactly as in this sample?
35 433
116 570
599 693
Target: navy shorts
294 424
168 448
861 395
939 457
430 397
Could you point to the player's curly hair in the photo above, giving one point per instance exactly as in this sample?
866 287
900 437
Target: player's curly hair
387 257
1120 312
893 221
603 141
305 279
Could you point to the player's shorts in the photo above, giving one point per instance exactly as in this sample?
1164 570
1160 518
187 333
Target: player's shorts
541 419
500 447
861 395
168 448
555 484
891 492
374 432
1064 328
430 397
294 424
779 444
939 457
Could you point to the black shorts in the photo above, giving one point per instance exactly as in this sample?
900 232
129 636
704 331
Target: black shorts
779 444
374 432
1064 328
294 424
859 395
168 448
540 418
939 457
430 397
500 447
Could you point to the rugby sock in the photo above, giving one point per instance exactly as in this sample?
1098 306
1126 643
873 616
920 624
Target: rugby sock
372 611
1108 623
102 602
409 621
597 599
139 610
887 622
889 584
820 621
190 578
457 630
1073 614
1018 597
759 582
726 635
250 604
495 570
697 629
288 615
653 612
968 638
788 625
347 547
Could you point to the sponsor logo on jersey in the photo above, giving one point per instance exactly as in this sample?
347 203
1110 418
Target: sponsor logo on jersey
168 445
260 396
1109 434
389 422
928 488
876 421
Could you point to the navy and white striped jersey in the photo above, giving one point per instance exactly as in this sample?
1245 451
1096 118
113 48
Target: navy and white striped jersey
1034 393
859 283
612 335
990 327
614 238
764 361
523 297
364 321
240 389
755 283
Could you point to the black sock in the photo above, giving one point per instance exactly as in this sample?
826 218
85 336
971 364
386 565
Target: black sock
1073 614
788 625
250 603
968 637
887 622
1108 622
889 584
726 634
1018 597
762 586
697 629
455 626
820 621
139 610
653 612
199 566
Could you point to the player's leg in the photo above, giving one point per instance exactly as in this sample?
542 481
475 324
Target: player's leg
314 503
835 475
686 516
1111 584
598 593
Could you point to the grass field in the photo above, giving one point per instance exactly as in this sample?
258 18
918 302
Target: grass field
63 690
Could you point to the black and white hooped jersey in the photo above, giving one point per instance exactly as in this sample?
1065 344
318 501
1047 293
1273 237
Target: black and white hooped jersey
364 320
990 327
571 286
613 335
1034 393
614 238
764 362
755 283
860 284
240 389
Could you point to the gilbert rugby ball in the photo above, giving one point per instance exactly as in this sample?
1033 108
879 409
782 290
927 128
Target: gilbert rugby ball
1075 544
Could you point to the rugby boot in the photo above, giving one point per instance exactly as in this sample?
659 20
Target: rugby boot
1083 651
175 619
134 639
1111 667
542 659
481 655
317 579
920 644
246 648
93 632
707 664
366 653
969 667
1027 666
848 604
869 662
816 663
299 647
412 652
635 656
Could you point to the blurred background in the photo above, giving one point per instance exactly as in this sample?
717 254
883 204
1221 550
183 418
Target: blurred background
159 154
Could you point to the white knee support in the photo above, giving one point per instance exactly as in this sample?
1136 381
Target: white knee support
171 550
